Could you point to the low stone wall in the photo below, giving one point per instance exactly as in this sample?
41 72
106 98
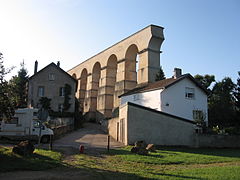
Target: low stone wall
58 131
217 141
62 125
61 121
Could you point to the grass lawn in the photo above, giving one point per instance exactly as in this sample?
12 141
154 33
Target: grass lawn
166 163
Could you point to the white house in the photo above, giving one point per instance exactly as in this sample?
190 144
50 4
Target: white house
180 96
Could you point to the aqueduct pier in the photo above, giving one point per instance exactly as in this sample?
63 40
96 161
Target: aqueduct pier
112 72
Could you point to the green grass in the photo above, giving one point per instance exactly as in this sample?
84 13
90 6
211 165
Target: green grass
213 173
180 156
40 160
166 163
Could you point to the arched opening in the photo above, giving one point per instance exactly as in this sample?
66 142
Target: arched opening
82 88
96 74
77 90
130 64
110 83
74 76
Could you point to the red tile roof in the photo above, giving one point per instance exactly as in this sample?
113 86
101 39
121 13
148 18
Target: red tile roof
163 84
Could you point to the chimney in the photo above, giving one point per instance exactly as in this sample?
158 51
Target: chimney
35 67
58 63
177 73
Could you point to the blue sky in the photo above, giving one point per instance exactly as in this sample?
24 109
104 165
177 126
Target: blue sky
201 36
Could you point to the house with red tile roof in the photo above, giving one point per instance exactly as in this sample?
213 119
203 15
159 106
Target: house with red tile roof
180 95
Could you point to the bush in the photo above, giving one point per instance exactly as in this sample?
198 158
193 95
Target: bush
233 130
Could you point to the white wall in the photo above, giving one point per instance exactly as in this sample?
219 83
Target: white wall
181 106
149 99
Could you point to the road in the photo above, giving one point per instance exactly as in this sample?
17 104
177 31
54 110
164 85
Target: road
90 136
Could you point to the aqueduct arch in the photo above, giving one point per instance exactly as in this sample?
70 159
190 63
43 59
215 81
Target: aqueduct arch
105 76
81 93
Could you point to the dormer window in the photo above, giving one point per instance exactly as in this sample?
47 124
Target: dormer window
189 93
51 77
136 97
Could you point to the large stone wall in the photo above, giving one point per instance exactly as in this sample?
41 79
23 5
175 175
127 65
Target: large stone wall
105 76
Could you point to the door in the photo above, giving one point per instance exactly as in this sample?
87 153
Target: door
117 131
122 130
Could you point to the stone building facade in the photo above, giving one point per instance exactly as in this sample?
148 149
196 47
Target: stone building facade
50 82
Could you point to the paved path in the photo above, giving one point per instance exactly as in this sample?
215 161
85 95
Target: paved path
91 136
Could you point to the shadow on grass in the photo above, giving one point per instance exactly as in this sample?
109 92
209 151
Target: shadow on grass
223 152
101 174
12 162
179 176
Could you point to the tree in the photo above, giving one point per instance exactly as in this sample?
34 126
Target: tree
237 98
45 103
222 103
160 75
18 85
6 106
67 92
205 80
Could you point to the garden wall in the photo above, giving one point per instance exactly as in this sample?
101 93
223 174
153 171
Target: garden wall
217 140
62 125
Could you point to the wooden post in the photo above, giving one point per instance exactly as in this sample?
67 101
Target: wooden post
40 133
108 145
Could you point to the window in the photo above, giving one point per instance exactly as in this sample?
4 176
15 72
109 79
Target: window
198 115
62 92
51 77
14 120
35 113
40 91
136 97
36 124
189 93
60 107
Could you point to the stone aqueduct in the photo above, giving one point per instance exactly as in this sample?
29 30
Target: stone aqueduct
112 72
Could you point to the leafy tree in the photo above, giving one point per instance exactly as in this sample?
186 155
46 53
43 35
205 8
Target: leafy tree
67 92
160 75
45 103
221 103
6 106
237 98
18 85
205 80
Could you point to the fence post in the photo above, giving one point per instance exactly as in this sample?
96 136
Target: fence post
108 145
